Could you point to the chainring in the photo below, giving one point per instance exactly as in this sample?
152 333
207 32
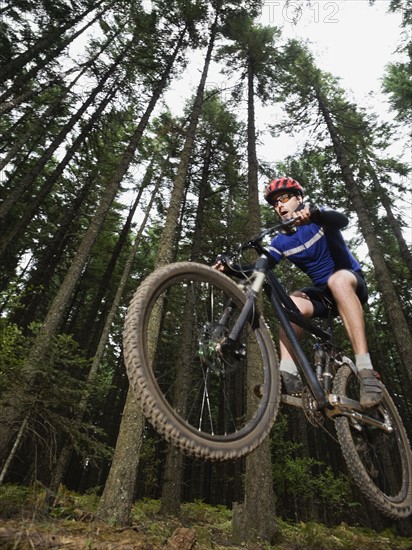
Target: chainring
312 413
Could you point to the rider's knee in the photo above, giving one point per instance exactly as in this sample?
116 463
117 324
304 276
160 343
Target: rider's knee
342 281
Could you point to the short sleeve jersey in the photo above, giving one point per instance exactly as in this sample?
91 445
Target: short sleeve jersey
318 250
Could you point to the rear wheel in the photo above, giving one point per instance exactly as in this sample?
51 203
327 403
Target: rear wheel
199 398
379 460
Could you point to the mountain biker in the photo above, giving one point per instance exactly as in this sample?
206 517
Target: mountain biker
315 245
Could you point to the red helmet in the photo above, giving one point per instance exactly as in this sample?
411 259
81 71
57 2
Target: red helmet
282 184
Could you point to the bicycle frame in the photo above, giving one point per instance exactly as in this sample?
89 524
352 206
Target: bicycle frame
278 297
262 276
286 311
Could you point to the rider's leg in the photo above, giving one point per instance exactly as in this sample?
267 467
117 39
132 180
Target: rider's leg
288 368
305 306
342 285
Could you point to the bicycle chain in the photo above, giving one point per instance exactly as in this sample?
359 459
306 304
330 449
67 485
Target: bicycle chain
313 415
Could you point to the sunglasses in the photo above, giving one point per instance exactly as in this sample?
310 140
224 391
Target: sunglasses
282 199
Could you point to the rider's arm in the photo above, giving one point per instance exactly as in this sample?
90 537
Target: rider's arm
324 215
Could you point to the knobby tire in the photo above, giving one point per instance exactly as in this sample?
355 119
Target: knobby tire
201 400
380 462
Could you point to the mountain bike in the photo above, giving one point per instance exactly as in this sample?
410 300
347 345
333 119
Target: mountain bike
202 362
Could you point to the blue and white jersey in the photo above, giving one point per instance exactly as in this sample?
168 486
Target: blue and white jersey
318 250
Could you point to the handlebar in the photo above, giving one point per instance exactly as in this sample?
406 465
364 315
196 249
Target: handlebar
254 242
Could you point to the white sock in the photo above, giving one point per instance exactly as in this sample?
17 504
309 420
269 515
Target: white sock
363 361
288 365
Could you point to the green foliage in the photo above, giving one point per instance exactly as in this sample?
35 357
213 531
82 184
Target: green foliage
73 506
200 512
315 536
397 83
146 508
205 519
252 49
52 401
304 485
16 498
13 348
71 522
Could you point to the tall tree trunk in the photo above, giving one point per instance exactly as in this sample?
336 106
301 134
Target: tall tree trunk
168 240
256 517
171 499
131 409
116 502
173 471
203 187
171 495
394 223
117 498
390 298
86 339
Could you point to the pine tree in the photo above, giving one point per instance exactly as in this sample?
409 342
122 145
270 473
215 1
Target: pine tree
253 52
115 173
168 243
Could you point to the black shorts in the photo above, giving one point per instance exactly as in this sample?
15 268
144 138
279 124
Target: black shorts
322 299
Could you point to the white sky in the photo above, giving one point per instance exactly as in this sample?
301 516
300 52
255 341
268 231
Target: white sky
352 39
349 38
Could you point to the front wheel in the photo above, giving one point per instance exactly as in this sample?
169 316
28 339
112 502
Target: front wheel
379 459
200 397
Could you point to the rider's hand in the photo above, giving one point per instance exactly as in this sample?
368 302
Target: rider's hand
221 263
219 266
302 217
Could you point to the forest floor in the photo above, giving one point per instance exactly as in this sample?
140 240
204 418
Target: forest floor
199 527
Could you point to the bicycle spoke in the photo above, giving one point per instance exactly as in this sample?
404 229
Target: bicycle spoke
190 388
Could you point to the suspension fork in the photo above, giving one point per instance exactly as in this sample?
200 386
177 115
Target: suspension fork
248 309
231 341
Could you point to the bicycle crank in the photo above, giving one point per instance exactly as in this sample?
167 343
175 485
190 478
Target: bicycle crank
310 408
